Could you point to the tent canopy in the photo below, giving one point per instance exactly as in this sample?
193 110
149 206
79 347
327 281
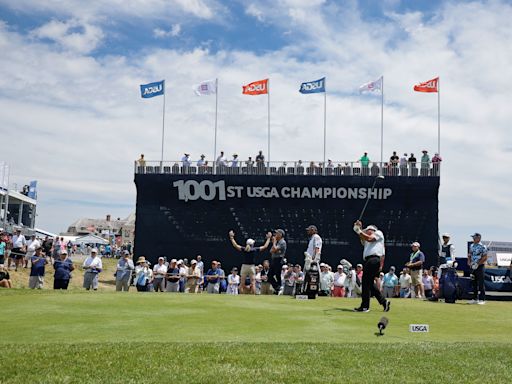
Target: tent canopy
90 239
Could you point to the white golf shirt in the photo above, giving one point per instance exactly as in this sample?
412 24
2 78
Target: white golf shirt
374 247
315 242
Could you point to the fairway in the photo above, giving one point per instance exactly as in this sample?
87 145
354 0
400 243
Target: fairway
246 338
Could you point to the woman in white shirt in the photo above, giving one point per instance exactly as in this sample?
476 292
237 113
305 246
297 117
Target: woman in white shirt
233 282
143 275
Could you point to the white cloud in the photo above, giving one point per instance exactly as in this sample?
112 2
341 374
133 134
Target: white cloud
253 10
84 122
173 32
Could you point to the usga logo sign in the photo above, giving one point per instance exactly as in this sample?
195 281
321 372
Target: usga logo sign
312 86
151 90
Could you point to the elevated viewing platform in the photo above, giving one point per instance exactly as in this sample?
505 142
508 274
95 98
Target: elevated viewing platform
291 168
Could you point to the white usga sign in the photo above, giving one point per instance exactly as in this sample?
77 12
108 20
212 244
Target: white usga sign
418 328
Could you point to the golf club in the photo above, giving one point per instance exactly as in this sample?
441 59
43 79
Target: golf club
368 197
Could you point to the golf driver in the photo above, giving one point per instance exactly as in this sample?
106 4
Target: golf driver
368 197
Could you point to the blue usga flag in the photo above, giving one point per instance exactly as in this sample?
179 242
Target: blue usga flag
152 89
315 86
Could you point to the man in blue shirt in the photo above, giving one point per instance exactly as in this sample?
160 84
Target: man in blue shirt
63 268
389 283
477 257
212 277
38 261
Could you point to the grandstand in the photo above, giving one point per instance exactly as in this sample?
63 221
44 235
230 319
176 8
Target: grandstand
185 211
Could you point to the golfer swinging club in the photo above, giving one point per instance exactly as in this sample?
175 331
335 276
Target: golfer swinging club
373 242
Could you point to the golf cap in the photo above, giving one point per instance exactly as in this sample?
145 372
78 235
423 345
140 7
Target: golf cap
193 262
180 261
280 231
339 267
372 227
476 234
322 264
174 261
446 235
250 242
161 258
313 227
39 247
63 252
392 268
203 156
415 244
234 269
126 252
284 267
94 250
359 265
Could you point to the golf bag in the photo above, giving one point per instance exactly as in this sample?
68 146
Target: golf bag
311 281
449 285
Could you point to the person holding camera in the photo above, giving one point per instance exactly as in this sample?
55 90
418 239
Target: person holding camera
477 258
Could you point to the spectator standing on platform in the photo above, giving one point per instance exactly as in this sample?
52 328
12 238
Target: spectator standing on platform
19 247
234 161
428 284
389 283
173 276
412 161
141 162
436 162
477 257
425 159
278 252
213 278
314 250
38 262
92 266
365 162
260 159
403 165
330 164
233 282
63 268
393 160
326 281
405 283
159 271
185 160
266 286
373 255
249 258
415 265
201 162
339 282
221 160
250 162
193 278
124 272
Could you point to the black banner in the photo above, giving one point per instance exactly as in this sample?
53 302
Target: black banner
181 216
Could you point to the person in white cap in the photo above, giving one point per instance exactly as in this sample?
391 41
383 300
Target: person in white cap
92 266
372 240
326 280
339 282
193 284
159 271
415 265
124 272
249 262
63 268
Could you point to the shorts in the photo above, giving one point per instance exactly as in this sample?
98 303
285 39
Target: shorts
35 282
247 270
17 254
416 277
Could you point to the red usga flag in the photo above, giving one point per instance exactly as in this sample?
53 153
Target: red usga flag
259 87
427 86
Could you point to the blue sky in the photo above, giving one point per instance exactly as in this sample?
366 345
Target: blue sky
69 85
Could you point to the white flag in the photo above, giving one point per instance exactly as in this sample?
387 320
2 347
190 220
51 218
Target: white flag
372 86
207 87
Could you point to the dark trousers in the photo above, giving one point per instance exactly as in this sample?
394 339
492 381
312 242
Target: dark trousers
60 284
275 274
371 269
477 278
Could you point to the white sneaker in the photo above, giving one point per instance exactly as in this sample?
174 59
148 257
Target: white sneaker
481 302
473 301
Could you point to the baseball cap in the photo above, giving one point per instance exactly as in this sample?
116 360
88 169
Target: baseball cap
415 244
359 265
280 231
161 258
339 267
180 261
284 267
94 250
174 261
392 268
63 252
476 234
250 242
446 235
372 227
322 264
313 227
193 262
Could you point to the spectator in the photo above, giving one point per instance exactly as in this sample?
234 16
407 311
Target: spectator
173 277
257 279
289 282
19 247
249 163
200 264
3 245
124 272
260 159
32 244
365 161
234 161
390 283
436 162
266 286
435 286
339 282
326 281
143 275
213 279
405 284
69 245
183 275
425 163
223 281
201 162
159 271
233 282
38 262
300 165
403 165
393 160
278 253
141 162
221 160
359 279
93 267
5 278
284 271
330 164
415 264
193 278
299 279
185 160
249 258
412 161
428 284
63 268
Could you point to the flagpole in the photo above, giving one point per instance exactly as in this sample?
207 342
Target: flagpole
325 119
268 122
163 131
438 116
215 136
382 127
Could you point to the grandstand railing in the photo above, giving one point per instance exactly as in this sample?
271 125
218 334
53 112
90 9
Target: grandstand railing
290 168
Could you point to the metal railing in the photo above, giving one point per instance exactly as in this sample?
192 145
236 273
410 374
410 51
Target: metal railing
290 168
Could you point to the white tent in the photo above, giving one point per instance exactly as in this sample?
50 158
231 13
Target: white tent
90 239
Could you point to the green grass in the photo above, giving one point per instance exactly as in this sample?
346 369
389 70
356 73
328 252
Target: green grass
76 337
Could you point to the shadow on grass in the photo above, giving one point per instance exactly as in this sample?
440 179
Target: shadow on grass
334 310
